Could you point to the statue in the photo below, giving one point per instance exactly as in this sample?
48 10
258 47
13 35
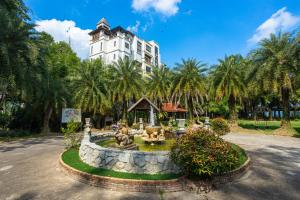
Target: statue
123 138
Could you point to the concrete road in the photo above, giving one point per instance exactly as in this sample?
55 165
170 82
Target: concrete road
29 170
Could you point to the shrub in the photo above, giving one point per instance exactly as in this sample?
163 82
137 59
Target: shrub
203 154
70 135
220 126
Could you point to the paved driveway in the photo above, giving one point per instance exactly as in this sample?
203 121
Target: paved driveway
29 170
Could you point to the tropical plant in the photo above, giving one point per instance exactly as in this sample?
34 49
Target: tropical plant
201 153
228 83
276 67
189 84
70 134
90 87
159 85
220 126
126 82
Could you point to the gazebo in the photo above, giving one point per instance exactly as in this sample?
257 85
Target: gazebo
146 106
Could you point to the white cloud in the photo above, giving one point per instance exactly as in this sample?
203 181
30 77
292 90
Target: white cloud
282 20
165 7
134 28
62 30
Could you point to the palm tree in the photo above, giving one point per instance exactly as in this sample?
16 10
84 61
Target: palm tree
189 84
228 83
276 67
127 83
159 85
90 87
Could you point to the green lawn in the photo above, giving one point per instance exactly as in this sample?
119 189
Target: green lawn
242 155
71 158
165 146
267 127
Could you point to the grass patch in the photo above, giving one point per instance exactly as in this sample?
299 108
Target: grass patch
267 127
164 146
242 154
71 158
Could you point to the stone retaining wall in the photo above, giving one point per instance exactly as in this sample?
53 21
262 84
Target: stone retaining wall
157 162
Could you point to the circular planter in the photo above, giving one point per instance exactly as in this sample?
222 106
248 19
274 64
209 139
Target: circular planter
172 185
118 184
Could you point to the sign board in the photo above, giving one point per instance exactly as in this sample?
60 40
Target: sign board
70 114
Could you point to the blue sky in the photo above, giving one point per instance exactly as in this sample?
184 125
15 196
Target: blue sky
206 30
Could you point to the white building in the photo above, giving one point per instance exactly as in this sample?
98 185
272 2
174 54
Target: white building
112 44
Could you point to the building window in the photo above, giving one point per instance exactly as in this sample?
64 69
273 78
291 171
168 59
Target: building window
91 50
148 69
114 56
126 45
148 59
148 48
101 46
115 43
139 47
156 56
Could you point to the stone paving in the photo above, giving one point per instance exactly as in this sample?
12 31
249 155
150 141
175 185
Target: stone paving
29 170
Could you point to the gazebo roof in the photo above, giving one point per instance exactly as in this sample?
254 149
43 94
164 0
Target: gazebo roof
140 104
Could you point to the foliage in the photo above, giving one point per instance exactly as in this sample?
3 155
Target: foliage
15 133
201 153
90 87
70 134
275 66
220 126
4 120
126 81
228 83
159 85
189 84
71 158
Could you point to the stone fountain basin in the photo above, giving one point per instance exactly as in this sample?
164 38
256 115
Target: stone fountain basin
131 161
152 129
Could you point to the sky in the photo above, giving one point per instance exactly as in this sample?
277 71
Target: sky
205 30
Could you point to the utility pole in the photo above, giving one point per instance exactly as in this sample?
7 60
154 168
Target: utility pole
68 31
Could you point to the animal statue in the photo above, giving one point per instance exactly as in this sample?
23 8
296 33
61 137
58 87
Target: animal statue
123 138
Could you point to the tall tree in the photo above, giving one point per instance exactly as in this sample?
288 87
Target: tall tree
57 59
228 83
276 67
159 85
90 87
189 83
127 83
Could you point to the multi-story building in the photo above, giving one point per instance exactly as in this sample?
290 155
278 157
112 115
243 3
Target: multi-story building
112 44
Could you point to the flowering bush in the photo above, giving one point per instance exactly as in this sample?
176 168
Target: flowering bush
220 126
202 153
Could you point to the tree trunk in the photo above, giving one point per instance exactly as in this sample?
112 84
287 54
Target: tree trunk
285 95
124 114
47 115
190 108
232 111
270 114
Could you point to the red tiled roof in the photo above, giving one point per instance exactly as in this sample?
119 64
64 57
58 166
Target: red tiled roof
171 107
